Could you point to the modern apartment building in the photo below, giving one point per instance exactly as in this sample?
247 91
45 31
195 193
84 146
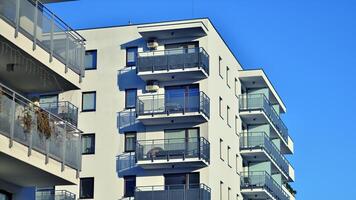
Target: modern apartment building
169 113
41 65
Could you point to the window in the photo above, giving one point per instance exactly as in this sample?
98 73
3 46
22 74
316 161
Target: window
130 141
220 107
88 144
86 188
227 115
129 187
228 155
221 190
237 163
227 76
229 193
220 148
88 101
220 61
177 180
90 60
236 87
236 126
131 56
130 98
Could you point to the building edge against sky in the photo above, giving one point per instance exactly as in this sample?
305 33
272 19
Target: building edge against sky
167 110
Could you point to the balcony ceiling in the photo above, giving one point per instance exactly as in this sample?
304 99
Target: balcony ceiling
173 31
23 174
23 73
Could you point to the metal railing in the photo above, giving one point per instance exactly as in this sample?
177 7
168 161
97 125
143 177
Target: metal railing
24 122
55 195
260 102
173 59
46 30
260 140
176 148
63 109
126 161
174 192
262 180
180 103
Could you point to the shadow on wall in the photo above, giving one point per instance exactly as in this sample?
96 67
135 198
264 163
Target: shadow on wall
128 79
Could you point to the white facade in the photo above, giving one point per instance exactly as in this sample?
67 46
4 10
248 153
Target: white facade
222 92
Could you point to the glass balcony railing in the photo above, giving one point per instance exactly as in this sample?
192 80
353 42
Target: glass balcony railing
260 140
55 195
24 122
173 192
260 102
173 59
177 148
180 103
262 180
63 109
46 30
126 161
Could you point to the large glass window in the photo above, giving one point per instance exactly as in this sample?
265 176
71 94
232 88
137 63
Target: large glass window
131 56
86 188
182 98
186 140
88 144
178 181
130 141
88 101
130 185
90 60
130 98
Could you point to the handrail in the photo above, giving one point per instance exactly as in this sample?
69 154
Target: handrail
262 179
266 106
165 51
247 142
183 186
25 122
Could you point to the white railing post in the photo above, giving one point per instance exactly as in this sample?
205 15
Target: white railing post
17 19
13 118
64 145
51 38
35 23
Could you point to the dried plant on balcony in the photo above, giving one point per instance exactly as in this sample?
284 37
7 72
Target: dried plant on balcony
26 119
43 123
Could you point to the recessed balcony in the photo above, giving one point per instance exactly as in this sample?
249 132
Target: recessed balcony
169 153
257 147
173 64
173 192
177 108
33 138
256 109
260 185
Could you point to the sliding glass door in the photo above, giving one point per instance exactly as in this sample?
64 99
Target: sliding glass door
182 98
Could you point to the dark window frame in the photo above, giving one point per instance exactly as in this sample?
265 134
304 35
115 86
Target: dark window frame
130 64
220 72
227 76
126 188
89 134
220 149
228 115
125 145
220 107
80 188
126 91
89 110
96 59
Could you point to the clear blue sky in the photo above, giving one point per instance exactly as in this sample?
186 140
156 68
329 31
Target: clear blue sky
308 50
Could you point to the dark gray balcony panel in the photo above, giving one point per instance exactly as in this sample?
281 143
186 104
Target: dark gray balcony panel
55 195
169 64
63 109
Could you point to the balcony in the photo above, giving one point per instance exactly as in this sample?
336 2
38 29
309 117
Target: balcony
260 185
256 109
257 147
63 109
159 109
173 192
126 161
55 195
46 30
31 129
168 153
173 64
127 121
